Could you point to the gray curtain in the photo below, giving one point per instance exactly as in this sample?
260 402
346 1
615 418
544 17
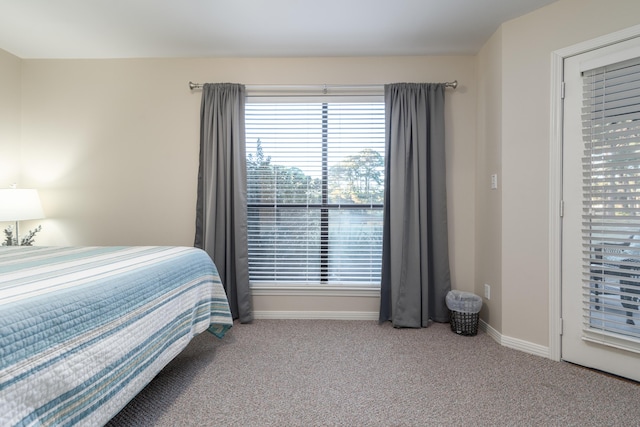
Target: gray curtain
221 209
415 254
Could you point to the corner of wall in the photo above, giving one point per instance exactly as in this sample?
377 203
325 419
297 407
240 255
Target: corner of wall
488 247
10 118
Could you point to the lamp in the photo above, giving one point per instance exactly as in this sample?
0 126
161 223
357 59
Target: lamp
19 205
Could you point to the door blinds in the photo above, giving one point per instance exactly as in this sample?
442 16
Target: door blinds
611 210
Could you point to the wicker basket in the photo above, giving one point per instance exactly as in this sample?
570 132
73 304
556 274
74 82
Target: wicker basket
464 323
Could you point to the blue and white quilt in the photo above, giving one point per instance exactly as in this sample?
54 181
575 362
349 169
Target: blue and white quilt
84 329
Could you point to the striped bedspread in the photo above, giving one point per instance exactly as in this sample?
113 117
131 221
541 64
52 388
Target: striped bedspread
84 329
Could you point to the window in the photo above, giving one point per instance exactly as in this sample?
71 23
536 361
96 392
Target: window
315 186
611 220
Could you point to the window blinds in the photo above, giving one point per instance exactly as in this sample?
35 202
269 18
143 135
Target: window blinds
315 184
611 210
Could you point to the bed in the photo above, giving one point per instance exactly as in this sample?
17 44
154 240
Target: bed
84 329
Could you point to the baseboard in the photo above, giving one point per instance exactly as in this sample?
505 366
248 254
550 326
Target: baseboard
484 326
526 346
515 343
327 315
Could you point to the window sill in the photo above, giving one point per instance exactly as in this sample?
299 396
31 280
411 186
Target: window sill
324 291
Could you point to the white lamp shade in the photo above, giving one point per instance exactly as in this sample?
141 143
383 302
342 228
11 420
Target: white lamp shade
17 204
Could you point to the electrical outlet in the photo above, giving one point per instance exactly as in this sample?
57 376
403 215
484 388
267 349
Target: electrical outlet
487 291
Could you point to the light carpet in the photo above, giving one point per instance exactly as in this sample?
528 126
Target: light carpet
359 373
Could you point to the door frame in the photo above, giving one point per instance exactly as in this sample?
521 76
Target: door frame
555 176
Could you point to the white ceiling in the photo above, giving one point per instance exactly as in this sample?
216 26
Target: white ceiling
207 28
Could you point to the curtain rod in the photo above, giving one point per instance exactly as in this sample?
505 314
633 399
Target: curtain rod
324 88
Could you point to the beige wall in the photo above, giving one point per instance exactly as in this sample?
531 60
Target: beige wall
488 248
9 119
113 144
524 129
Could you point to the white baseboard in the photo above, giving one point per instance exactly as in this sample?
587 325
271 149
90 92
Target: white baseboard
327 315
497 336
515 343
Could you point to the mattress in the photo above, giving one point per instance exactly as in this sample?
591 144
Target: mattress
84 329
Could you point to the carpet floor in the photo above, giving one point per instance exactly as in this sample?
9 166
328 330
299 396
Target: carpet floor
359 373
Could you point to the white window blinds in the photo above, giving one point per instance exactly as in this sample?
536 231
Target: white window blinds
611 211
315 184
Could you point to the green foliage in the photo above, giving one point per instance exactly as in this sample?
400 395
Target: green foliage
11 240
8 237
278 183
288 234
356 179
